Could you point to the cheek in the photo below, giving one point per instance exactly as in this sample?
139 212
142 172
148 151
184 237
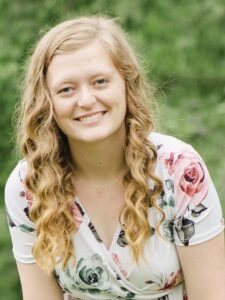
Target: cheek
61 109
123 100
123 94
120 95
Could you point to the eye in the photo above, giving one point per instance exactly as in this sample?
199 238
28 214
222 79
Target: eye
66 90
100 82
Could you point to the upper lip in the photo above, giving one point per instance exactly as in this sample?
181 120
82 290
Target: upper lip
87 115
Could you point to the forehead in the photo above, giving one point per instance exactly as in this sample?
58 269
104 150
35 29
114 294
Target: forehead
88 60
90 53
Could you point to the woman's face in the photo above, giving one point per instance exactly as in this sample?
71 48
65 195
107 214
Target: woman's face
88 94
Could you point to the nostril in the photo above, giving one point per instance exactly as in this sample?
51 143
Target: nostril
85 98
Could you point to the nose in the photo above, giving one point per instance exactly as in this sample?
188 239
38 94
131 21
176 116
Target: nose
86 97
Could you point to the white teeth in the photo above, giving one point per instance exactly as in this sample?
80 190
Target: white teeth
91 118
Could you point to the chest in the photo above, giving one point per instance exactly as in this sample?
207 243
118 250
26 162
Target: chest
103 205
96 269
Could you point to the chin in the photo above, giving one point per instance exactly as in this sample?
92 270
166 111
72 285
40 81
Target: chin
94 138
99 135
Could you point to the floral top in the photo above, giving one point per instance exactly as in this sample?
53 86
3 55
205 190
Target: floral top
192 215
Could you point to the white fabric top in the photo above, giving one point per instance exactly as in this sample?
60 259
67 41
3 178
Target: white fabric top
192 215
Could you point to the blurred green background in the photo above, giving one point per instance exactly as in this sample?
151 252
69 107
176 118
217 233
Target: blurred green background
180 42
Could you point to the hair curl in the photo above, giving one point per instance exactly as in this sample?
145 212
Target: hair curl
46 148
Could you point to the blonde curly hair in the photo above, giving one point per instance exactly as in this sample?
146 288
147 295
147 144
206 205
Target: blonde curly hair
47 152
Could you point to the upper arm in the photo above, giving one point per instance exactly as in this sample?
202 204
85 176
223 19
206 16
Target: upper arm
17 205
197 225
203 267
37 285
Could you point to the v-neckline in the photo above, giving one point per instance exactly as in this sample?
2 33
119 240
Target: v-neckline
94 231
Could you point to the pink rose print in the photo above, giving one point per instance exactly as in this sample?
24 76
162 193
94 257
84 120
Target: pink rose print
77 215
26 194
28 197
173 280
185 297
115 258
169 163
190 178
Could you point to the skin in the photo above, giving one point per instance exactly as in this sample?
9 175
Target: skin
204 269
80 83
36 285
207 263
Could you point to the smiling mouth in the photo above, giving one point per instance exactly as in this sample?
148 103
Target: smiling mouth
92 117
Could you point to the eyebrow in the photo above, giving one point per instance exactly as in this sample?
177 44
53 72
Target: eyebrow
69 79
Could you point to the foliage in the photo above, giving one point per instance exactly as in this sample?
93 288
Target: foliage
182 48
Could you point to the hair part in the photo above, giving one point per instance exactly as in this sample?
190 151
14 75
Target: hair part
47 153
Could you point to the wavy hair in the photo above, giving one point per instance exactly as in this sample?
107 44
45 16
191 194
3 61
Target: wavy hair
47 152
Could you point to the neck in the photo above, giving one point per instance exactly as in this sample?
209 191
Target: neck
101 161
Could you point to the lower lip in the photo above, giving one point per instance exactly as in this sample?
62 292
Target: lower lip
92 122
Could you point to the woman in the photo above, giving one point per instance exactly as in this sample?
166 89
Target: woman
102 207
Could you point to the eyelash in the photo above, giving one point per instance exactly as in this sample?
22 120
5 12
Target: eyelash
98 82
65 90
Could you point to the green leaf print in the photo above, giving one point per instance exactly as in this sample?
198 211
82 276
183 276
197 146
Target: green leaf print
130 295
121 241
167 229
26 228
185 229
152 231
10 220
162 202
198 210
169 184
171 201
